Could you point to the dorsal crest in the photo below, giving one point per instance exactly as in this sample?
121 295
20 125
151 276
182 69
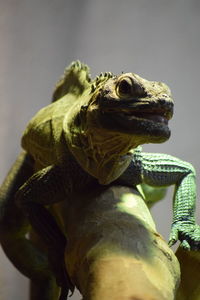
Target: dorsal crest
101 78
75 80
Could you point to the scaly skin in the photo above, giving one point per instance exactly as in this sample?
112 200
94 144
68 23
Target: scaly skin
89 136
165 170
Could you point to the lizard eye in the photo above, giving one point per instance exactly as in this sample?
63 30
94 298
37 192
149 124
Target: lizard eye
124 87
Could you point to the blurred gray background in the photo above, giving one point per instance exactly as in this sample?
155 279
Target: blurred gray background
158 39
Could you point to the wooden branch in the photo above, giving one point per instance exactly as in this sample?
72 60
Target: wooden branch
114 251
189 288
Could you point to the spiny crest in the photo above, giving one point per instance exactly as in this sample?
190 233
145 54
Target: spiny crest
75 80
102 77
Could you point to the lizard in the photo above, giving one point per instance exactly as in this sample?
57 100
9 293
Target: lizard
90 135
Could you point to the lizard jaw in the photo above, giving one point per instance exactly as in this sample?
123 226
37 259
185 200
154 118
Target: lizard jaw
159 117
150 124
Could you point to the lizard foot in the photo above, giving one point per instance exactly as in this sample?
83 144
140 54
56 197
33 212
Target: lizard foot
187 233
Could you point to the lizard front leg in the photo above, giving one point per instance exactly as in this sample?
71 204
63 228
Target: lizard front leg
165 170
46 187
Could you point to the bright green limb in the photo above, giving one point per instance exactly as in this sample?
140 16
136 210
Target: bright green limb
165 170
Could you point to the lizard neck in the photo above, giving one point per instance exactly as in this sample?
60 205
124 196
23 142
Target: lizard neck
102 154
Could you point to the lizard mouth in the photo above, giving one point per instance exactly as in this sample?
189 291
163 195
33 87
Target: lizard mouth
157 110
146 119
156 116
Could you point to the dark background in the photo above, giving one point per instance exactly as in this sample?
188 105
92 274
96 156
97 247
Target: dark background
158 39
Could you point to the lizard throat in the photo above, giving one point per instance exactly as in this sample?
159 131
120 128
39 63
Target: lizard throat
103 155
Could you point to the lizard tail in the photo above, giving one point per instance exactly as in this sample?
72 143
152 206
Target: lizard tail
21 170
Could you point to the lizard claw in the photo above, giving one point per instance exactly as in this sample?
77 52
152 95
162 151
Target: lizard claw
187 233
65 284
185 245
56 259
173 236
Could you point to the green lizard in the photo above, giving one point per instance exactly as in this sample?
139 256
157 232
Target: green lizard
89 136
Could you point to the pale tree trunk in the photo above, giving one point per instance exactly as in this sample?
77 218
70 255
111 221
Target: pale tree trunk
114 251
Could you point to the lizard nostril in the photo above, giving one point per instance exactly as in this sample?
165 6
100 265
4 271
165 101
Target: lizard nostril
165 95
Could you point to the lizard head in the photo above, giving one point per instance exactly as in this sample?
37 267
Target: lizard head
131 105
110 116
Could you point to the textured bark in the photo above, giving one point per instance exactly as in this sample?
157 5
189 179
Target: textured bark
189 288
114 251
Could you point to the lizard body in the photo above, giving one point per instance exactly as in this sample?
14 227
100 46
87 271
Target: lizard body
90 135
